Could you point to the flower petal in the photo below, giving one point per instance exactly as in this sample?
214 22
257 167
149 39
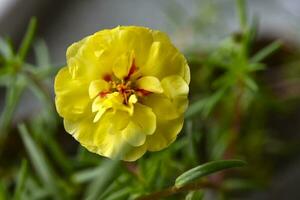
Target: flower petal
142 123
72 98
99 114
136 39
173 103
165 134
97 86
84 59
133 134
145 118
174 86
122 65
135 153
165 108
165 60
82 130
149 83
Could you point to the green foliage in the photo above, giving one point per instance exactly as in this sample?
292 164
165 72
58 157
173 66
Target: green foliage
231 115
21 180
206 169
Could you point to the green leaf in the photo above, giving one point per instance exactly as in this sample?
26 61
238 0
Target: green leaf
106 176
46 72
120 194
205 105
266 51
195 108
27 40
241 8
38 159
36 191
57 153
87 174
41 91
194 195
206 169
102 179
41 54
5 49
14 91
118 184
250 83
21 180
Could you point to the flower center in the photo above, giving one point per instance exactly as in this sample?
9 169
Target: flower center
124 88
121 89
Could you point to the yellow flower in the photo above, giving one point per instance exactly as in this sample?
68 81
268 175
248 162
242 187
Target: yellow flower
124 87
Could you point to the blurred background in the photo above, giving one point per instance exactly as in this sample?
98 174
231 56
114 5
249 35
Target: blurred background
203 23
197 27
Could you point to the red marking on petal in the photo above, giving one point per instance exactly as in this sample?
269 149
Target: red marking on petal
132 69
107 78
103 94
142 92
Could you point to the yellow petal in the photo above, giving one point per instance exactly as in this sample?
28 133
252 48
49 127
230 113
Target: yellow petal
165 134
89 57
142 123
165 108
71 98
149 83
133 134
99 114
165 60
174 86
97 86
119 120
145 118
173 103
73 50
135 153
97 104
122 65
136 39
82 130
108 140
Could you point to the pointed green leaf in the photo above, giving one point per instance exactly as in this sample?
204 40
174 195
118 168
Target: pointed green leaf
27 40
41 54
194 195
206 169
21 180
102 179
265 52
87 174
14 91
5 49
39 161
250 83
